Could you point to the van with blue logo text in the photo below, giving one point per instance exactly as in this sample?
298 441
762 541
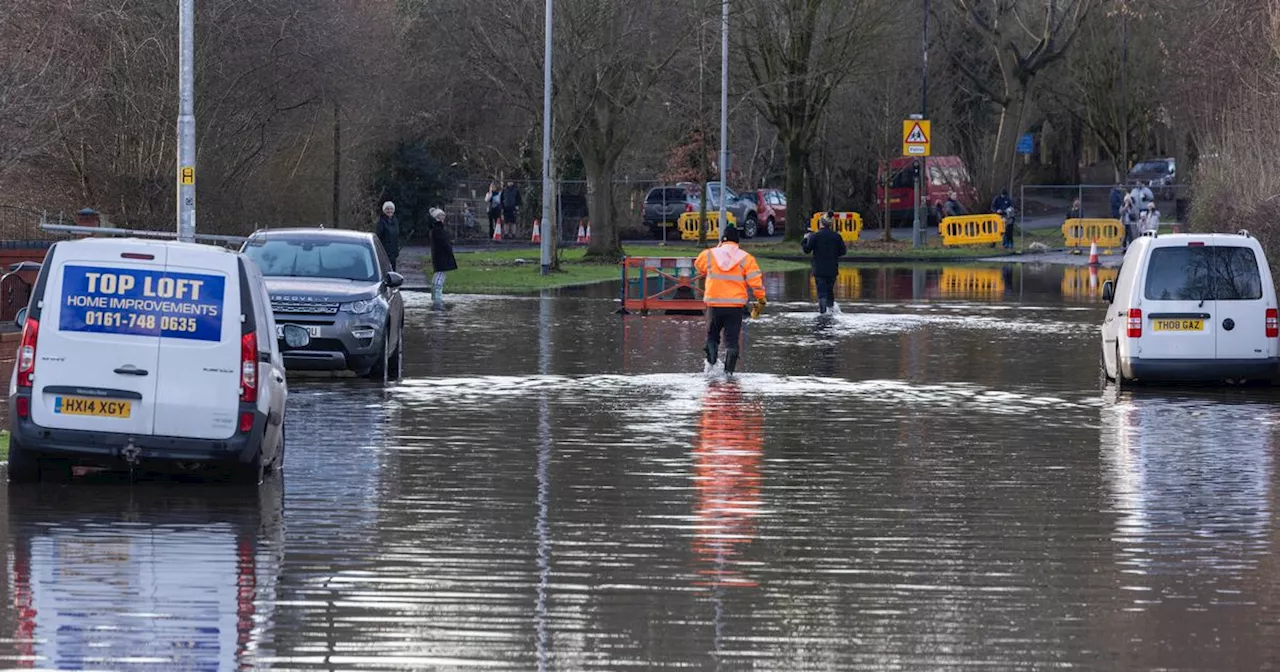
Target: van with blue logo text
147 354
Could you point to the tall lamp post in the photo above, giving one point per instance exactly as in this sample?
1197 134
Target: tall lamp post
546 224
724 112
186 122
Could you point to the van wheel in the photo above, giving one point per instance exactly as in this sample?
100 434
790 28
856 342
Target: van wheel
23 467
277 463
248 474
1121 383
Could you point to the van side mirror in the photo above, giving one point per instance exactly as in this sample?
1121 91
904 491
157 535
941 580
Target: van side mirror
21 318
394 279
1108 291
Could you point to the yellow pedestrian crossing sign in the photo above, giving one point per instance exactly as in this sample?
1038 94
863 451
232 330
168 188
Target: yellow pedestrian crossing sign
915 137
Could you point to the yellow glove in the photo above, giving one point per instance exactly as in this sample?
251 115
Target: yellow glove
758 308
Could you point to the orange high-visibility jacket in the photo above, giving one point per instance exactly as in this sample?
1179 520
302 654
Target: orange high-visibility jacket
730 271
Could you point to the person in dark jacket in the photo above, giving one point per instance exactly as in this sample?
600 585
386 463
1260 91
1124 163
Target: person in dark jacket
388 232
442 260
827 247
510 204
1117 201
1002 202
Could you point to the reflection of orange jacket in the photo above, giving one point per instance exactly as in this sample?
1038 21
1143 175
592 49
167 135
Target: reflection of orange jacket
727 478
730 270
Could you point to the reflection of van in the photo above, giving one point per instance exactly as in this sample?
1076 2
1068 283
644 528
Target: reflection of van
144 353
946 174
1191 307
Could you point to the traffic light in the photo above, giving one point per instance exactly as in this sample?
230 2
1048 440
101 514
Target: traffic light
915 170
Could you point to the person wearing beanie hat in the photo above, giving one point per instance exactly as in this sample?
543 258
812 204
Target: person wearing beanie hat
442 259
732 278
827 247
388 232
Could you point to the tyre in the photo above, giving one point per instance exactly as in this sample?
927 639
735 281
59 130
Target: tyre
750 226
1121 383
23 466
771 227
277 464
395 365
248 474
379 369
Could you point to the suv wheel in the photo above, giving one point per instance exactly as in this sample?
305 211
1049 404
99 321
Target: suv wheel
381 364
771 227
750 226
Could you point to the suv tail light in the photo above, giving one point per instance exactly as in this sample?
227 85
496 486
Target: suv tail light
688 207
1273 323
249 367
1135 323
27 353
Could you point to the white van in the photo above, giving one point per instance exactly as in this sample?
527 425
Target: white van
152 353
1191 307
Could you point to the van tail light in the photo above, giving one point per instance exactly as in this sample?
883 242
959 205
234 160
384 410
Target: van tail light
1135 323
27 353
1273 323
249 367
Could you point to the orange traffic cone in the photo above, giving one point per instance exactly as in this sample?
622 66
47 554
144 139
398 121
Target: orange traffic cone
588 233
497 231
582 234
1093 253
537 231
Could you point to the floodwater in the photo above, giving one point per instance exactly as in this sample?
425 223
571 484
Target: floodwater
932 480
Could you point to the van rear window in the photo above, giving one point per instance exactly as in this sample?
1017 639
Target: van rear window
1208 273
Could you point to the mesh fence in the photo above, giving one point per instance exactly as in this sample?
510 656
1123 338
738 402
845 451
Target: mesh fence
1042 209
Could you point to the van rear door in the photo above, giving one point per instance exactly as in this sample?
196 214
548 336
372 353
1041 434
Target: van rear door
1178 310
1242 304
198 386
96 355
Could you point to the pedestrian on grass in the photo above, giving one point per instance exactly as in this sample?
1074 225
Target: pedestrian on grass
1075 212
510 204
442 259
1153 219
388 232
1117 201
952 207
493 201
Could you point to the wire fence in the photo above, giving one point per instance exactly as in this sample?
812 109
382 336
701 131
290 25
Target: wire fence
1043 208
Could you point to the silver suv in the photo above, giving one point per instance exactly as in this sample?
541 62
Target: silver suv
339 286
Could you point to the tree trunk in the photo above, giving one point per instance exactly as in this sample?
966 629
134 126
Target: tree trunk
799 208
605 244
1005 156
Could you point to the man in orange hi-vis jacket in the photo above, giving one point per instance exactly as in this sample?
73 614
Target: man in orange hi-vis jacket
732 276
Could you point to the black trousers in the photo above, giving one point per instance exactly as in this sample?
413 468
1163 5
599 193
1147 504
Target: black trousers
493 219
826 291
728 320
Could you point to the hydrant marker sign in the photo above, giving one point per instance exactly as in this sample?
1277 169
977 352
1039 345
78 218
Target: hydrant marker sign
141 302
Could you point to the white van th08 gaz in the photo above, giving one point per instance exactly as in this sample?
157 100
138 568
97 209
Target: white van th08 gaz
1192 308
147 353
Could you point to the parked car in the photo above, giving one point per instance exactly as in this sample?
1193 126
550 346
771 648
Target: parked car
663 207
339 286
771 204
1159 174
1191 307
743 207
144 352
946 174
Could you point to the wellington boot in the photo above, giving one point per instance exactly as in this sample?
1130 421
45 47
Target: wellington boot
712 352
730 360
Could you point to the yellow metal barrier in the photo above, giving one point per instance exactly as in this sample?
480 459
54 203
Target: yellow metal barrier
978 283
1085 283
1082 232
689 225
971 230
847 224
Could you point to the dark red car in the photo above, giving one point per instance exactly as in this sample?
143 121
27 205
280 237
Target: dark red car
771 204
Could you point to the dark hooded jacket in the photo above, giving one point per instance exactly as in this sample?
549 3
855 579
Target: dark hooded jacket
827 247
441 249
388 231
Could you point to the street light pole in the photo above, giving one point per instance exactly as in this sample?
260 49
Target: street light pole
186 123
1124 91
724 112
545 225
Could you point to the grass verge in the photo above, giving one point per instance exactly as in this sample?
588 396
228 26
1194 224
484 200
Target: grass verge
4 445
519 271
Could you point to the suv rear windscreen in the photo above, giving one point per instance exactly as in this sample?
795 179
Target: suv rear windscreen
1203 273
666 194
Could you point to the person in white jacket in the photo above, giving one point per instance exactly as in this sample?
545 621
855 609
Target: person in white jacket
1152 222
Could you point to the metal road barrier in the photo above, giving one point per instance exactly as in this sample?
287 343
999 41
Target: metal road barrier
1083 232
1084 283
847 224
975 283
971 230
661 283
689 225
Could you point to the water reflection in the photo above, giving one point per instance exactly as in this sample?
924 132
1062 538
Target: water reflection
727 457
104 574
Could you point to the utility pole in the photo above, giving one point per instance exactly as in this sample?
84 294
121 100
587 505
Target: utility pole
337 162
724 112
186 122
546 228
1124 91
918 233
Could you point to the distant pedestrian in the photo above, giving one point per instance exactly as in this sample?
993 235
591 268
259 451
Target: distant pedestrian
442 259
493 202
827 247
388 232
1117 201
1141 196
1075 212
510 204
1153 219
1001 202
952 207
1129 218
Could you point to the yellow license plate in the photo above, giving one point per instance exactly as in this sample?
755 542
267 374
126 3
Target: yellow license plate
1177 325
102 408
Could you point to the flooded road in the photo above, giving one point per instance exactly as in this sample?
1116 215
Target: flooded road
933 479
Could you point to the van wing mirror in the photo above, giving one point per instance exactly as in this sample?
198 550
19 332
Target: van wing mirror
1108 291
21 318
394 279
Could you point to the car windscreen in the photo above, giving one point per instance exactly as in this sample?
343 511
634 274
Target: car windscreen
303 258
1203 273
1151 167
